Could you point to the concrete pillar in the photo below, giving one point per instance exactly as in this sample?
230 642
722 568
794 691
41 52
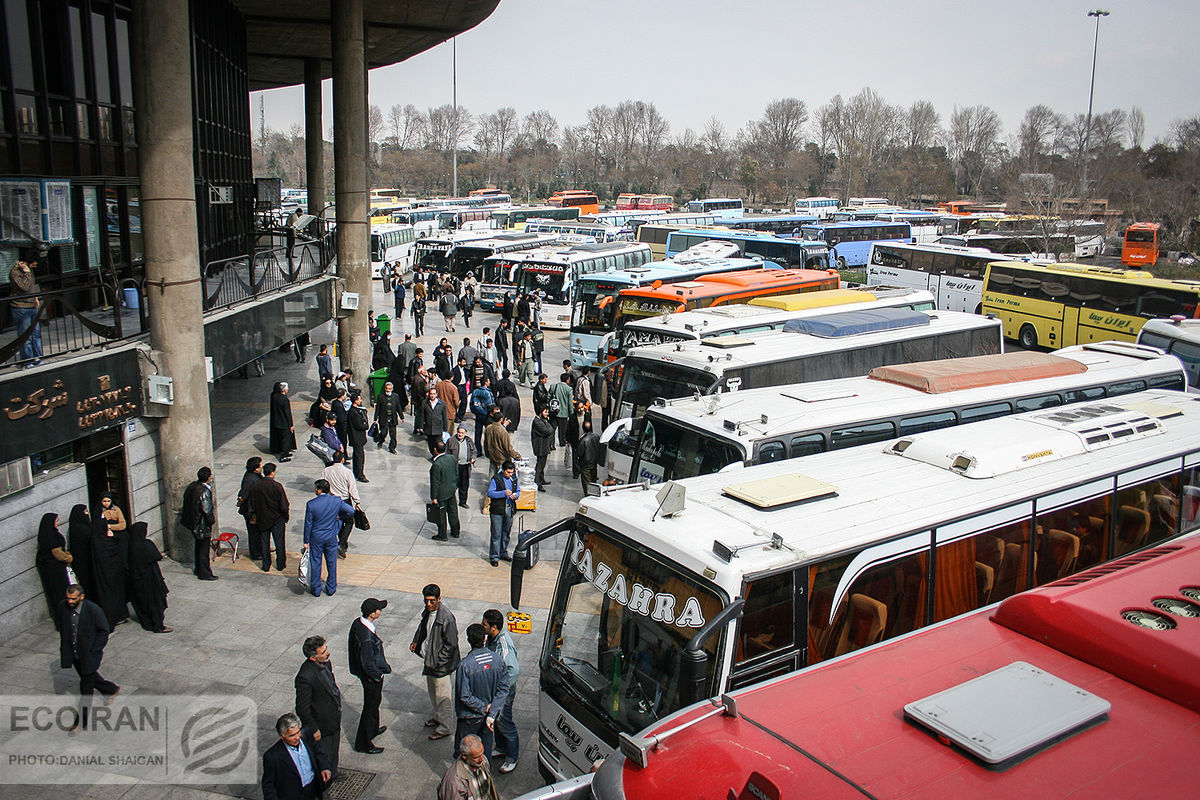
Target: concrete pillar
163 96
314 137
350 181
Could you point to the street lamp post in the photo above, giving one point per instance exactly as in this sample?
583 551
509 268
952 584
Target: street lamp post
1087 131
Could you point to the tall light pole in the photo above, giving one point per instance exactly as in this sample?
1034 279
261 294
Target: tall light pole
454 90
1087 131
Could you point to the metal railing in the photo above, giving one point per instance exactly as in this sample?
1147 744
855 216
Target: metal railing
271 268
73 320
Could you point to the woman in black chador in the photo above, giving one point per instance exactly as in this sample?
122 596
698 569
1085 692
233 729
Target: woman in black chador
79 529
52 561
110 566
147 589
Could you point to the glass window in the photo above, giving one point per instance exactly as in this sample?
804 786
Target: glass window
27 116
768 618
77 53
771 451
20 52
989 411
1072 538
1036 403
1149 513
1079 395
91 215
862 434
100 58
1126 387
807 444
926 422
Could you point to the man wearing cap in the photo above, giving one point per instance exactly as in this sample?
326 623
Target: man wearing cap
369 665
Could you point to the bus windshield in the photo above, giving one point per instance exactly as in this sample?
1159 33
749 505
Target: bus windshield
588 315
646 379
672 452
619 622
640 307
1140 236
549 279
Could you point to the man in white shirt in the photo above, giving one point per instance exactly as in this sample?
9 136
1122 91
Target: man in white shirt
342 484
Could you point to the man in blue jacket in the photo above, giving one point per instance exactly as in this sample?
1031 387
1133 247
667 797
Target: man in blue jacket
323 516
480 691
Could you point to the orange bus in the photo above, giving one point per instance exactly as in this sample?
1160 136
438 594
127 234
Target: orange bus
1141 244
585 201
722 288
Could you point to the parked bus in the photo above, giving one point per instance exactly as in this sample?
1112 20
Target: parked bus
593 308
596 232
866 202
796 253
1072 689
469 256
654 232
629 219
1088 235
683 438
654 202
555 273
424 221
721 207
1141 245
490 192
786 565
850 242
478 200
466 219
382 213
721 289
835 345
953 274
626 201
960 224
1180 337
1061 248
433 252
586 202
925 225
1055 305
1085 237
777 224
515 218
391 244
821 207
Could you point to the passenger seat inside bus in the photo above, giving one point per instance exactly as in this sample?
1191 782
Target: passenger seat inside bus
868 618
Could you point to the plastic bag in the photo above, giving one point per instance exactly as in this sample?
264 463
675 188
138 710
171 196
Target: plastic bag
305 566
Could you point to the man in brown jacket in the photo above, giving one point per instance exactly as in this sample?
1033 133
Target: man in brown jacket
448 394
24 306
497 442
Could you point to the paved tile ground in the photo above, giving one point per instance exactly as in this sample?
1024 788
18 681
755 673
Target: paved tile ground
242 634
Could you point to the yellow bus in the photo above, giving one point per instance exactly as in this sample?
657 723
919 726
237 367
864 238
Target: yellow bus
1058 305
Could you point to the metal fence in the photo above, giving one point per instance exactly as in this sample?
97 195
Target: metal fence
72 320
276 266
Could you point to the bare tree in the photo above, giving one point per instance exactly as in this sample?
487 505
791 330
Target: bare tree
973 141
374 125
540 128
780 130
921 125
1040 129
1135 128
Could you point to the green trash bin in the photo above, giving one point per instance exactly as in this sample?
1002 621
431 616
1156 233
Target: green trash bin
384 322
377 379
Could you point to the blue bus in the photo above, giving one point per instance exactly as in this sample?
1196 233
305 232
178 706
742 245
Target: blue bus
785 252
594 306
850 242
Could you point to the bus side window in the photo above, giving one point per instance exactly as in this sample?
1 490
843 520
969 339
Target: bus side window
769 452
808 444
862 434
1079 395
926 422
768 620
1036 403
1126 387
990 411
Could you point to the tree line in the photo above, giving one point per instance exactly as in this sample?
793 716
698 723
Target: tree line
849 146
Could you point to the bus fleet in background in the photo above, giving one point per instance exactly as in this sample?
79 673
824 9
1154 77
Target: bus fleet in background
811 488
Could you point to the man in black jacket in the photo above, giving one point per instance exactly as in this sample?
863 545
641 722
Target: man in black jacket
358 427
83 633
251 476
198 515
436 641
587 455
267 504
369 665
319 700
389 413
294 768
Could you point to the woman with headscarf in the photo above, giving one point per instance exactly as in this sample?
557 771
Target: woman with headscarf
110 565
79 531
52 560
328 390
112 512
381 357
147 589
283 430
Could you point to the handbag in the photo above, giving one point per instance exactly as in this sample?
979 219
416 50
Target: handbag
433 513
317 446
360 520
305 566
373 431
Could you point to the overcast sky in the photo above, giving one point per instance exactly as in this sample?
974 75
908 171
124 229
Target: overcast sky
727 59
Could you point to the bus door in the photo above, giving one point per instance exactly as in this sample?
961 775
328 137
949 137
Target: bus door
1069 331
772 632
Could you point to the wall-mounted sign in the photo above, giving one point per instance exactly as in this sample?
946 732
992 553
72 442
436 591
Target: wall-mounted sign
33 211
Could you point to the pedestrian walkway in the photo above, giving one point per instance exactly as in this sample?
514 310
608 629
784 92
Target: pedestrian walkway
243 633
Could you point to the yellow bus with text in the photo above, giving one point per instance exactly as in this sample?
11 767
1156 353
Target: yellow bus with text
1058 305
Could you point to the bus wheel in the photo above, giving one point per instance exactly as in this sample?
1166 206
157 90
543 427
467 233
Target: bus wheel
1028 337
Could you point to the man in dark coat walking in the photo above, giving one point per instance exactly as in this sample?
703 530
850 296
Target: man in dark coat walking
541 434
369 664
294 768
357 427
83 633
434 418
283 430
319 700
443 484
267 505
389 413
